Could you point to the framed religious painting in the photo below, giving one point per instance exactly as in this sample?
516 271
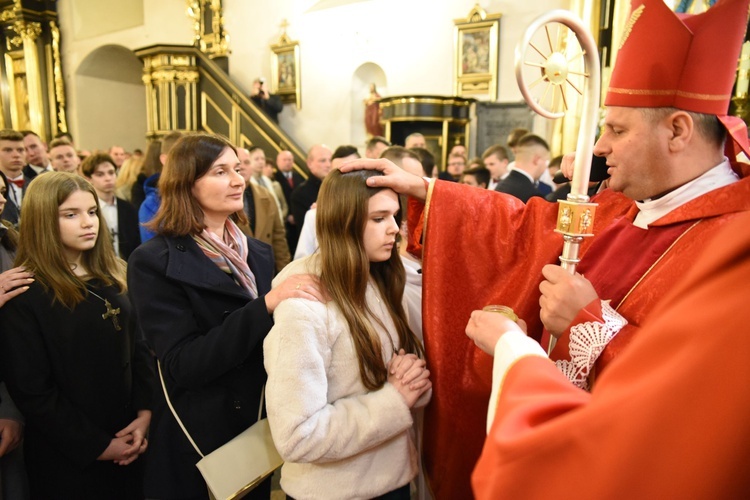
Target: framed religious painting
476 47
285 74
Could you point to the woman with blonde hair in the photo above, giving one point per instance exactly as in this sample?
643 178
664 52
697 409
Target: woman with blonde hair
341 386
202 292
126 177
69 353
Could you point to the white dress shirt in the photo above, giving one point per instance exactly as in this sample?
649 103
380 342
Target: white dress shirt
109 210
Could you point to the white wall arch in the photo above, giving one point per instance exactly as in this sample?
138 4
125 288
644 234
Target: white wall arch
111 100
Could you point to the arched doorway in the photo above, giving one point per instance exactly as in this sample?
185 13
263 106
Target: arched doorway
111 100
366 74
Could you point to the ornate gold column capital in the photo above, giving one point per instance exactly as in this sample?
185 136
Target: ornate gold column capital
21 31
27 31
10 13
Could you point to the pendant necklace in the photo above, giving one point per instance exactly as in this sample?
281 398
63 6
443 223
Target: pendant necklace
111 311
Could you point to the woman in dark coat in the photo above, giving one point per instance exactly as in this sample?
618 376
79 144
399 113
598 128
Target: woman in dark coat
69 354
201 291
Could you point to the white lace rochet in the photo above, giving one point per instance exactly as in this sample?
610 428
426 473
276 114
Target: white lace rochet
587 341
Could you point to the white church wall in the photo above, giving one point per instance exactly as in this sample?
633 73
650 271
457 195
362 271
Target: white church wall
410 40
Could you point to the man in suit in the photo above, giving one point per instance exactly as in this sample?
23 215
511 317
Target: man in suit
287 176
36 155
273 185
121 217
252 171
263 214
495 159
12 161
532 156
319 163
289 179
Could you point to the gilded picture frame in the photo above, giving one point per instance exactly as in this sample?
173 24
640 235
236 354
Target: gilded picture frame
476 48
285 71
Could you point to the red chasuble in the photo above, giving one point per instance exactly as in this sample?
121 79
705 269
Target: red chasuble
667 419
482 247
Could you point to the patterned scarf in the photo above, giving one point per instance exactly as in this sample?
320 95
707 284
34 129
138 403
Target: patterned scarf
230 254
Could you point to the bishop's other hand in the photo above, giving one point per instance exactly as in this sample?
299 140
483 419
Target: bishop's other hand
563 296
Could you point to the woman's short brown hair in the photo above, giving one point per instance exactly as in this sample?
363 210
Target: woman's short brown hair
191 157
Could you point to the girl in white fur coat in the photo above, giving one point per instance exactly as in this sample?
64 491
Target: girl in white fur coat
344 377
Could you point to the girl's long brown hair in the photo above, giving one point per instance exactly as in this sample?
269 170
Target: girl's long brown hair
40 248
345 270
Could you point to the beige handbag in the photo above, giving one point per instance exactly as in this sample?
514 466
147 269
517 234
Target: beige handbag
234 469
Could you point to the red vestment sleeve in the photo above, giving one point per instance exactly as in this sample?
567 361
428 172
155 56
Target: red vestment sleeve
667 419
480 247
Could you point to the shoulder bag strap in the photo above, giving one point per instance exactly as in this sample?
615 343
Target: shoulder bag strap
179 421
176 417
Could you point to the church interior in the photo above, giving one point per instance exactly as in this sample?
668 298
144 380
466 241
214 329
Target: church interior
129 71
139 75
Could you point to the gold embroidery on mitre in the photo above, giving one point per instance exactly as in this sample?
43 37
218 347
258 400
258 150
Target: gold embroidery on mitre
681 93
631 22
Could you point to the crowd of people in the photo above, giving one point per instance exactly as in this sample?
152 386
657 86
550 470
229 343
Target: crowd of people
205 281
197 224
115 294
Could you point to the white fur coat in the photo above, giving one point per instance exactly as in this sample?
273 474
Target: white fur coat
338 439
